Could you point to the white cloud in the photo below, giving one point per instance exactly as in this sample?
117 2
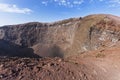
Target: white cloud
110 3
77 3
45 3
13 9
115 1
66 3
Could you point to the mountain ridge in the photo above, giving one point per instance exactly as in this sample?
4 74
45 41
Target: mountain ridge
67 37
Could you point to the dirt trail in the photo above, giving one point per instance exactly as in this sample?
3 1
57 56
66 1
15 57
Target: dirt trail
105 64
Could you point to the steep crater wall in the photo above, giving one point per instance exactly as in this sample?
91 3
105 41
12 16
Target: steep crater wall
44 39
63 38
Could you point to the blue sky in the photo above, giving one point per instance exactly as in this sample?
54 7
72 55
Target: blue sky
22 11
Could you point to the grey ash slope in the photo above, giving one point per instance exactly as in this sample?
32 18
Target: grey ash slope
62 38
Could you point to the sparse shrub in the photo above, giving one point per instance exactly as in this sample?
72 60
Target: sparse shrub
100 55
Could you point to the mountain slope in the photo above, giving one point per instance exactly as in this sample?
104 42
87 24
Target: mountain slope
93 65
67 37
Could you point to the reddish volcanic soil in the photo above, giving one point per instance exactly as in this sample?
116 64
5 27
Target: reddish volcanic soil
43 69
88 47
94 65
104 63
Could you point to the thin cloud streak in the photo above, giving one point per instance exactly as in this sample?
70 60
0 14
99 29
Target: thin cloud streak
76 3
66 3
13 9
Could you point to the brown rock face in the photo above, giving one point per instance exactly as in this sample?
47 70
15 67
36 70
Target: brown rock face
61 39
42 69
93 65
90 45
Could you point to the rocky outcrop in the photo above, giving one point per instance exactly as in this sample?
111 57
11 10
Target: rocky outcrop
63 38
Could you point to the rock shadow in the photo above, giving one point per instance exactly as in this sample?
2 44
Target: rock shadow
10 49
55 51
